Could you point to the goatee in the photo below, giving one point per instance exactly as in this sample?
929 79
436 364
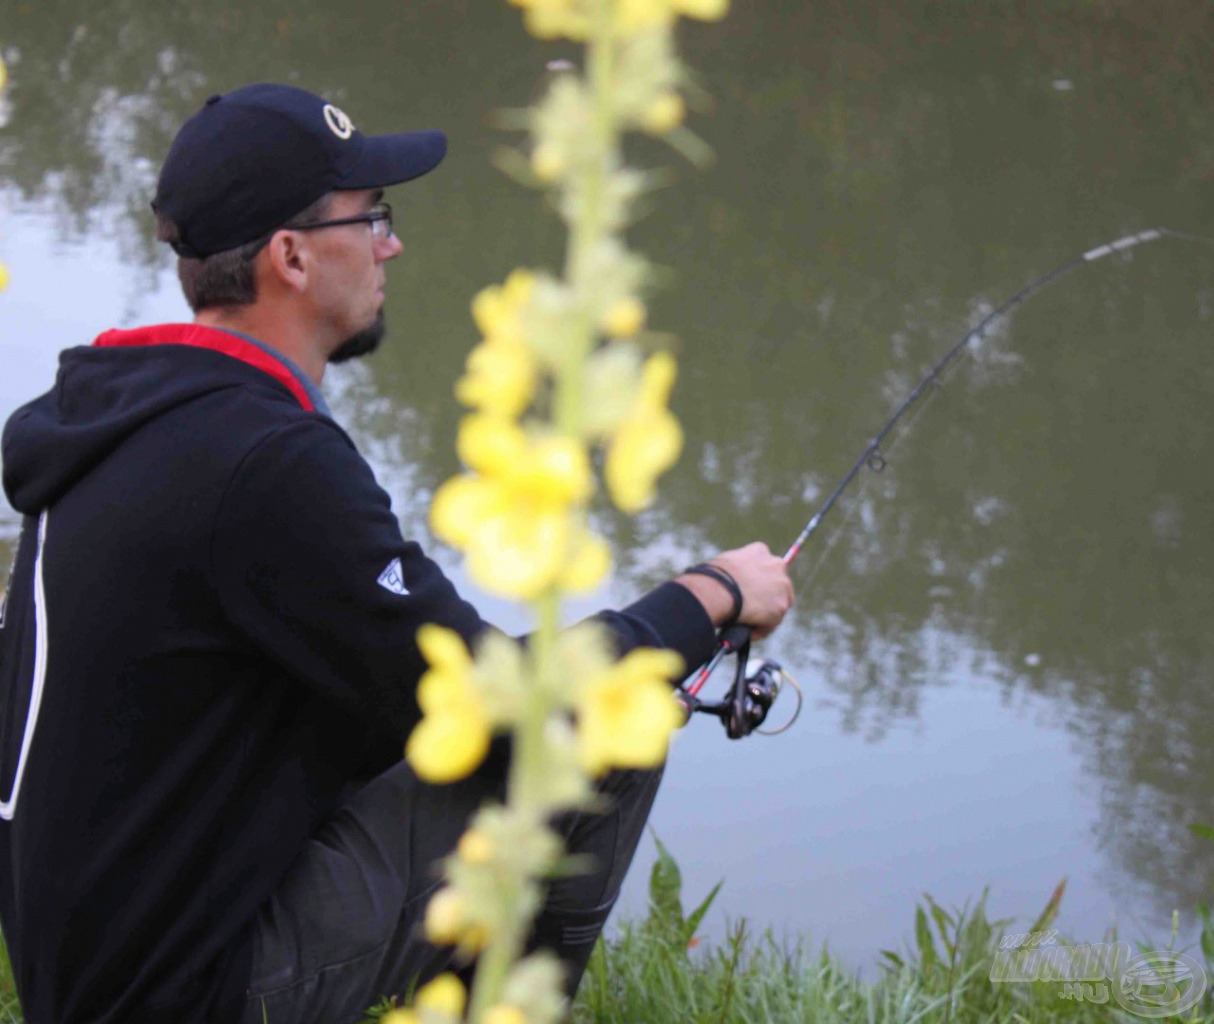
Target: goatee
361 343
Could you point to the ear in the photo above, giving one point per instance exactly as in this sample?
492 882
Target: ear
287 260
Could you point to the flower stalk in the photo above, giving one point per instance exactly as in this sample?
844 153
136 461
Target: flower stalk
560 372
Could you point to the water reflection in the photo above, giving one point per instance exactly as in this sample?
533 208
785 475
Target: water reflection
885 175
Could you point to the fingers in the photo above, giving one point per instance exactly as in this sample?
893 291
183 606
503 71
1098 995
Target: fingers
767 591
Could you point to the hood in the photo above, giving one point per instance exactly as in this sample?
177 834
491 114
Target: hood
105 392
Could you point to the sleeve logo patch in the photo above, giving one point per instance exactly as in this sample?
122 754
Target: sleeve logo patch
392 579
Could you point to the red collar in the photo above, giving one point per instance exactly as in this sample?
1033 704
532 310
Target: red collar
198 336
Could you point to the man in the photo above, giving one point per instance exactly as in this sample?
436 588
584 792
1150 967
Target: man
208 659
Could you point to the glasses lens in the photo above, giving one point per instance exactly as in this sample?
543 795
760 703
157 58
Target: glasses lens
381 227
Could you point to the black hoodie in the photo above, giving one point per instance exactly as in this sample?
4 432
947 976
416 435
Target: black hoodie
207 637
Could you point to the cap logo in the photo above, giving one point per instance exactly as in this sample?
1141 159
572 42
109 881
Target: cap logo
339 124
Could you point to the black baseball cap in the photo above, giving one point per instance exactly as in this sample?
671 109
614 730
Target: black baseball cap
252 159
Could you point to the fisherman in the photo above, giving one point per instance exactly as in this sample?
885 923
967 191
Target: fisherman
208 663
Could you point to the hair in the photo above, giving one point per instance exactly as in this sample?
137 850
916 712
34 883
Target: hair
226 278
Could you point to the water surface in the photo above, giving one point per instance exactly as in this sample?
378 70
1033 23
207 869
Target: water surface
1003 639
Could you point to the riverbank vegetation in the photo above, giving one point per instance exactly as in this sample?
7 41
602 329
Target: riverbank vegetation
657 970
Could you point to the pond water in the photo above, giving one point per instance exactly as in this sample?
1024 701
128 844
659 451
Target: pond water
1004 638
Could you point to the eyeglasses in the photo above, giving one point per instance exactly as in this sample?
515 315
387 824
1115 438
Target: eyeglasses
379 217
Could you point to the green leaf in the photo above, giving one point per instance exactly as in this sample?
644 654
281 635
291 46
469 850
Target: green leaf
1051 909
1207 931
923 935
894 959
944 924
697 915
665 887
1202 830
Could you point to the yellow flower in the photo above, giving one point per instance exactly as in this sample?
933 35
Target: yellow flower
647 442
551 19
548 162
475 847
3 74
625 318
513 519
664 114
491 445
704 10
627 712
500 378
501 1014
499 309
587 565
448 924
501 371
444 917
445 994
555 470
3 277
638 15
453 735
519 554
443 649
462 504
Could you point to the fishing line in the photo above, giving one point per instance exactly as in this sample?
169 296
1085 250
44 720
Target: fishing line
755 689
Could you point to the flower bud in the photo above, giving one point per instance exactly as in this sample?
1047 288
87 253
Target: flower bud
625 318
475 847
445 919
445 994
705 10
548 162
664 114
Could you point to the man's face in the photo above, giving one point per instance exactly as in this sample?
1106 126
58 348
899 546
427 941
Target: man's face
348 294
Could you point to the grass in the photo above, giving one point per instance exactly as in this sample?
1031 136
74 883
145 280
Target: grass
651 973
654 971
10 1008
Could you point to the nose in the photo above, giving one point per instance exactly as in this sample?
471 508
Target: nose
387 248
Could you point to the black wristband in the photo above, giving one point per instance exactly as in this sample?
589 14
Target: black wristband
728 582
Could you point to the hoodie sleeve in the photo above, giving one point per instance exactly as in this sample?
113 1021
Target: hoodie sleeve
311 566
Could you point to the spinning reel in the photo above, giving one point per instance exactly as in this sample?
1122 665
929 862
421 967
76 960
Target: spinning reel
757 683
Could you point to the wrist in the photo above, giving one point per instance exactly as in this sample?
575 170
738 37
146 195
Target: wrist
716 590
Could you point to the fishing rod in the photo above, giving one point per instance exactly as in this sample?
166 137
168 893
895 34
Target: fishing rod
758 682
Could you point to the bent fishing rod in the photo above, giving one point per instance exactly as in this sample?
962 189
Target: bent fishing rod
758 683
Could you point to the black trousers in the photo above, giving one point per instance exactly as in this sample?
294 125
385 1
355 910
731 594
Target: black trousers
344 927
